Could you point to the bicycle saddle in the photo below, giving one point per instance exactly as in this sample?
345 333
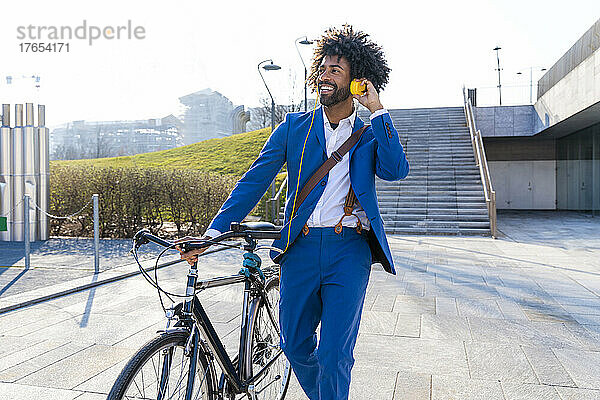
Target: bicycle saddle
253 226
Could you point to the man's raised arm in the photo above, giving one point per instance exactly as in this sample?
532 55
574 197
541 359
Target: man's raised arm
391 163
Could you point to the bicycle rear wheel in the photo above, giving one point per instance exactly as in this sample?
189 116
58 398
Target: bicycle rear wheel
159 371
263 341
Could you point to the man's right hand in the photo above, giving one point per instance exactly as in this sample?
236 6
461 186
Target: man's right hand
192 256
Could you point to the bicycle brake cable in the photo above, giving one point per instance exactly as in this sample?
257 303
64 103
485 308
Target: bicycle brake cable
154 282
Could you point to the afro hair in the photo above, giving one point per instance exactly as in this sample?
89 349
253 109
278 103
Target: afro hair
365 57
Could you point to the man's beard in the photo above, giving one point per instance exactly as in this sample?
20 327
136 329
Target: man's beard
338 95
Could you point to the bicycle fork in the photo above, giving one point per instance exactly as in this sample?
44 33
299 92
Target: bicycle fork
193 363
191 346
164 375
191 350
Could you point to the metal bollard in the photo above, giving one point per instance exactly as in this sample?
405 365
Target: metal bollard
26 226
96 234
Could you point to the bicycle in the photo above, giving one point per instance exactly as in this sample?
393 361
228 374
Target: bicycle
180 362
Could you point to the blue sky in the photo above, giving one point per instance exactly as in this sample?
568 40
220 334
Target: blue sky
433 47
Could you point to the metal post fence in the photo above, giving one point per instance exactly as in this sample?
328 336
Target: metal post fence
96 234
26 228
28 211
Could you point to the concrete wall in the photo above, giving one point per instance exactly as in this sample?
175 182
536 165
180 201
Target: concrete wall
524 185
578 90
579 52
523 172
519 149
502 121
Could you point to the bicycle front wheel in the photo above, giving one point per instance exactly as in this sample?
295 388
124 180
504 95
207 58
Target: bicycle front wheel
160 370
263 341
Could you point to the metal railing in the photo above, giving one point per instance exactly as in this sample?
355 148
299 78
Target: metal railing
481 161
277 200
29 208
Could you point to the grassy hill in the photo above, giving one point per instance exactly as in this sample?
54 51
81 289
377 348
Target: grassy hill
232 155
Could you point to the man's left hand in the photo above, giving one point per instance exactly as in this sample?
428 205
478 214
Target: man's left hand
370 98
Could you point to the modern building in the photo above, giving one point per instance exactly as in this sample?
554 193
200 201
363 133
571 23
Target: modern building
546 156
208 114
93 139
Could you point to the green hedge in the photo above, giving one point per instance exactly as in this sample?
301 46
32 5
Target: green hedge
172 202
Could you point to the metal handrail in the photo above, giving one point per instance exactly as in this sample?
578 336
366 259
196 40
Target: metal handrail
481 161
283 184
275 219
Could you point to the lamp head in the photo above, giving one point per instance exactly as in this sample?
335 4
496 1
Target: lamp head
271 67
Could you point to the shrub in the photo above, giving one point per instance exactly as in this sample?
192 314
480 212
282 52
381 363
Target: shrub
166 201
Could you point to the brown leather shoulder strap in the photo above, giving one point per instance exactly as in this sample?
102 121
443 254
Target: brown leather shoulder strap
320 173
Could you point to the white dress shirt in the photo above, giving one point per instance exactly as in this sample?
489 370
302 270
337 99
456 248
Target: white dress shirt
330 207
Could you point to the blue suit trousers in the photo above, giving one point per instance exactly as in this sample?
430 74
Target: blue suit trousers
324 278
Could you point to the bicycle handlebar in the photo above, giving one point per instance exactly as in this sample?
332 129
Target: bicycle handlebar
249 230
144 236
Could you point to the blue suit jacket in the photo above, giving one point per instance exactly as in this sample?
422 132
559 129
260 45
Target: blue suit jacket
378 152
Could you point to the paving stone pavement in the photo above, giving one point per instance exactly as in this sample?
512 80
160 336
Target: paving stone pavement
464 318
59 260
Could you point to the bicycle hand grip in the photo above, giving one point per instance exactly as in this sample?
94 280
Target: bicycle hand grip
188 246
264 234
144 236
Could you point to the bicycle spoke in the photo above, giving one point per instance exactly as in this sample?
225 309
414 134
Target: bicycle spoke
138 388
267 358
203 378
154 369
143 387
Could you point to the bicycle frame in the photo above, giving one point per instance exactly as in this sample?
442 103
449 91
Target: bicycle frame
239 380
191 315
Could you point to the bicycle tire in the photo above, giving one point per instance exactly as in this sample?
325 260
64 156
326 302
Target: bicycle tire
127 385
263 341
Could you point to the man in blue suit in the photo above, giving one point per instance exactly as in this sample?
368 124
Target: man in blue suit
324 270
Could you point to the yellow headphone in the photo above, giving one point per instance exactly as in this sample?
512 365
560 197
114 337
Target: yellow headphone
357 86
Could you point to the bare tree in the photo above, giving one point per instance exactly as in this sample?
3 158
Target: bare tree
261 116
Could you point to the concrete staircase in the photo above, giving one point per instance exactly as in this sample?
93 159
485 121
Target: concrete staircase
442 193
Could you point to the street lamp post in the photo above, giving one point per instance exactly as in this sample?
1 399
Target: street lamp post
270 67
304 41
496 49
10 80
531 81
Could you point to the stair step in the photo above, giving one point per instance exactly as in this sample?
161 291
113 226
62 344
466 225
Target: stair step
442 193
434 231
400 218
438 224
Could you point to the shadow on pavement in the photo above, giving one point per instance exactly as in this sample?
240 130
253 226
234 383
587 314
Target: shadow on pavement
88 305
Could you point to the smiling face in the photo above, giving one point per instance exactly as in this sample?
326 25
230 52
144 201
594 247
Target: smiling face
334 80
